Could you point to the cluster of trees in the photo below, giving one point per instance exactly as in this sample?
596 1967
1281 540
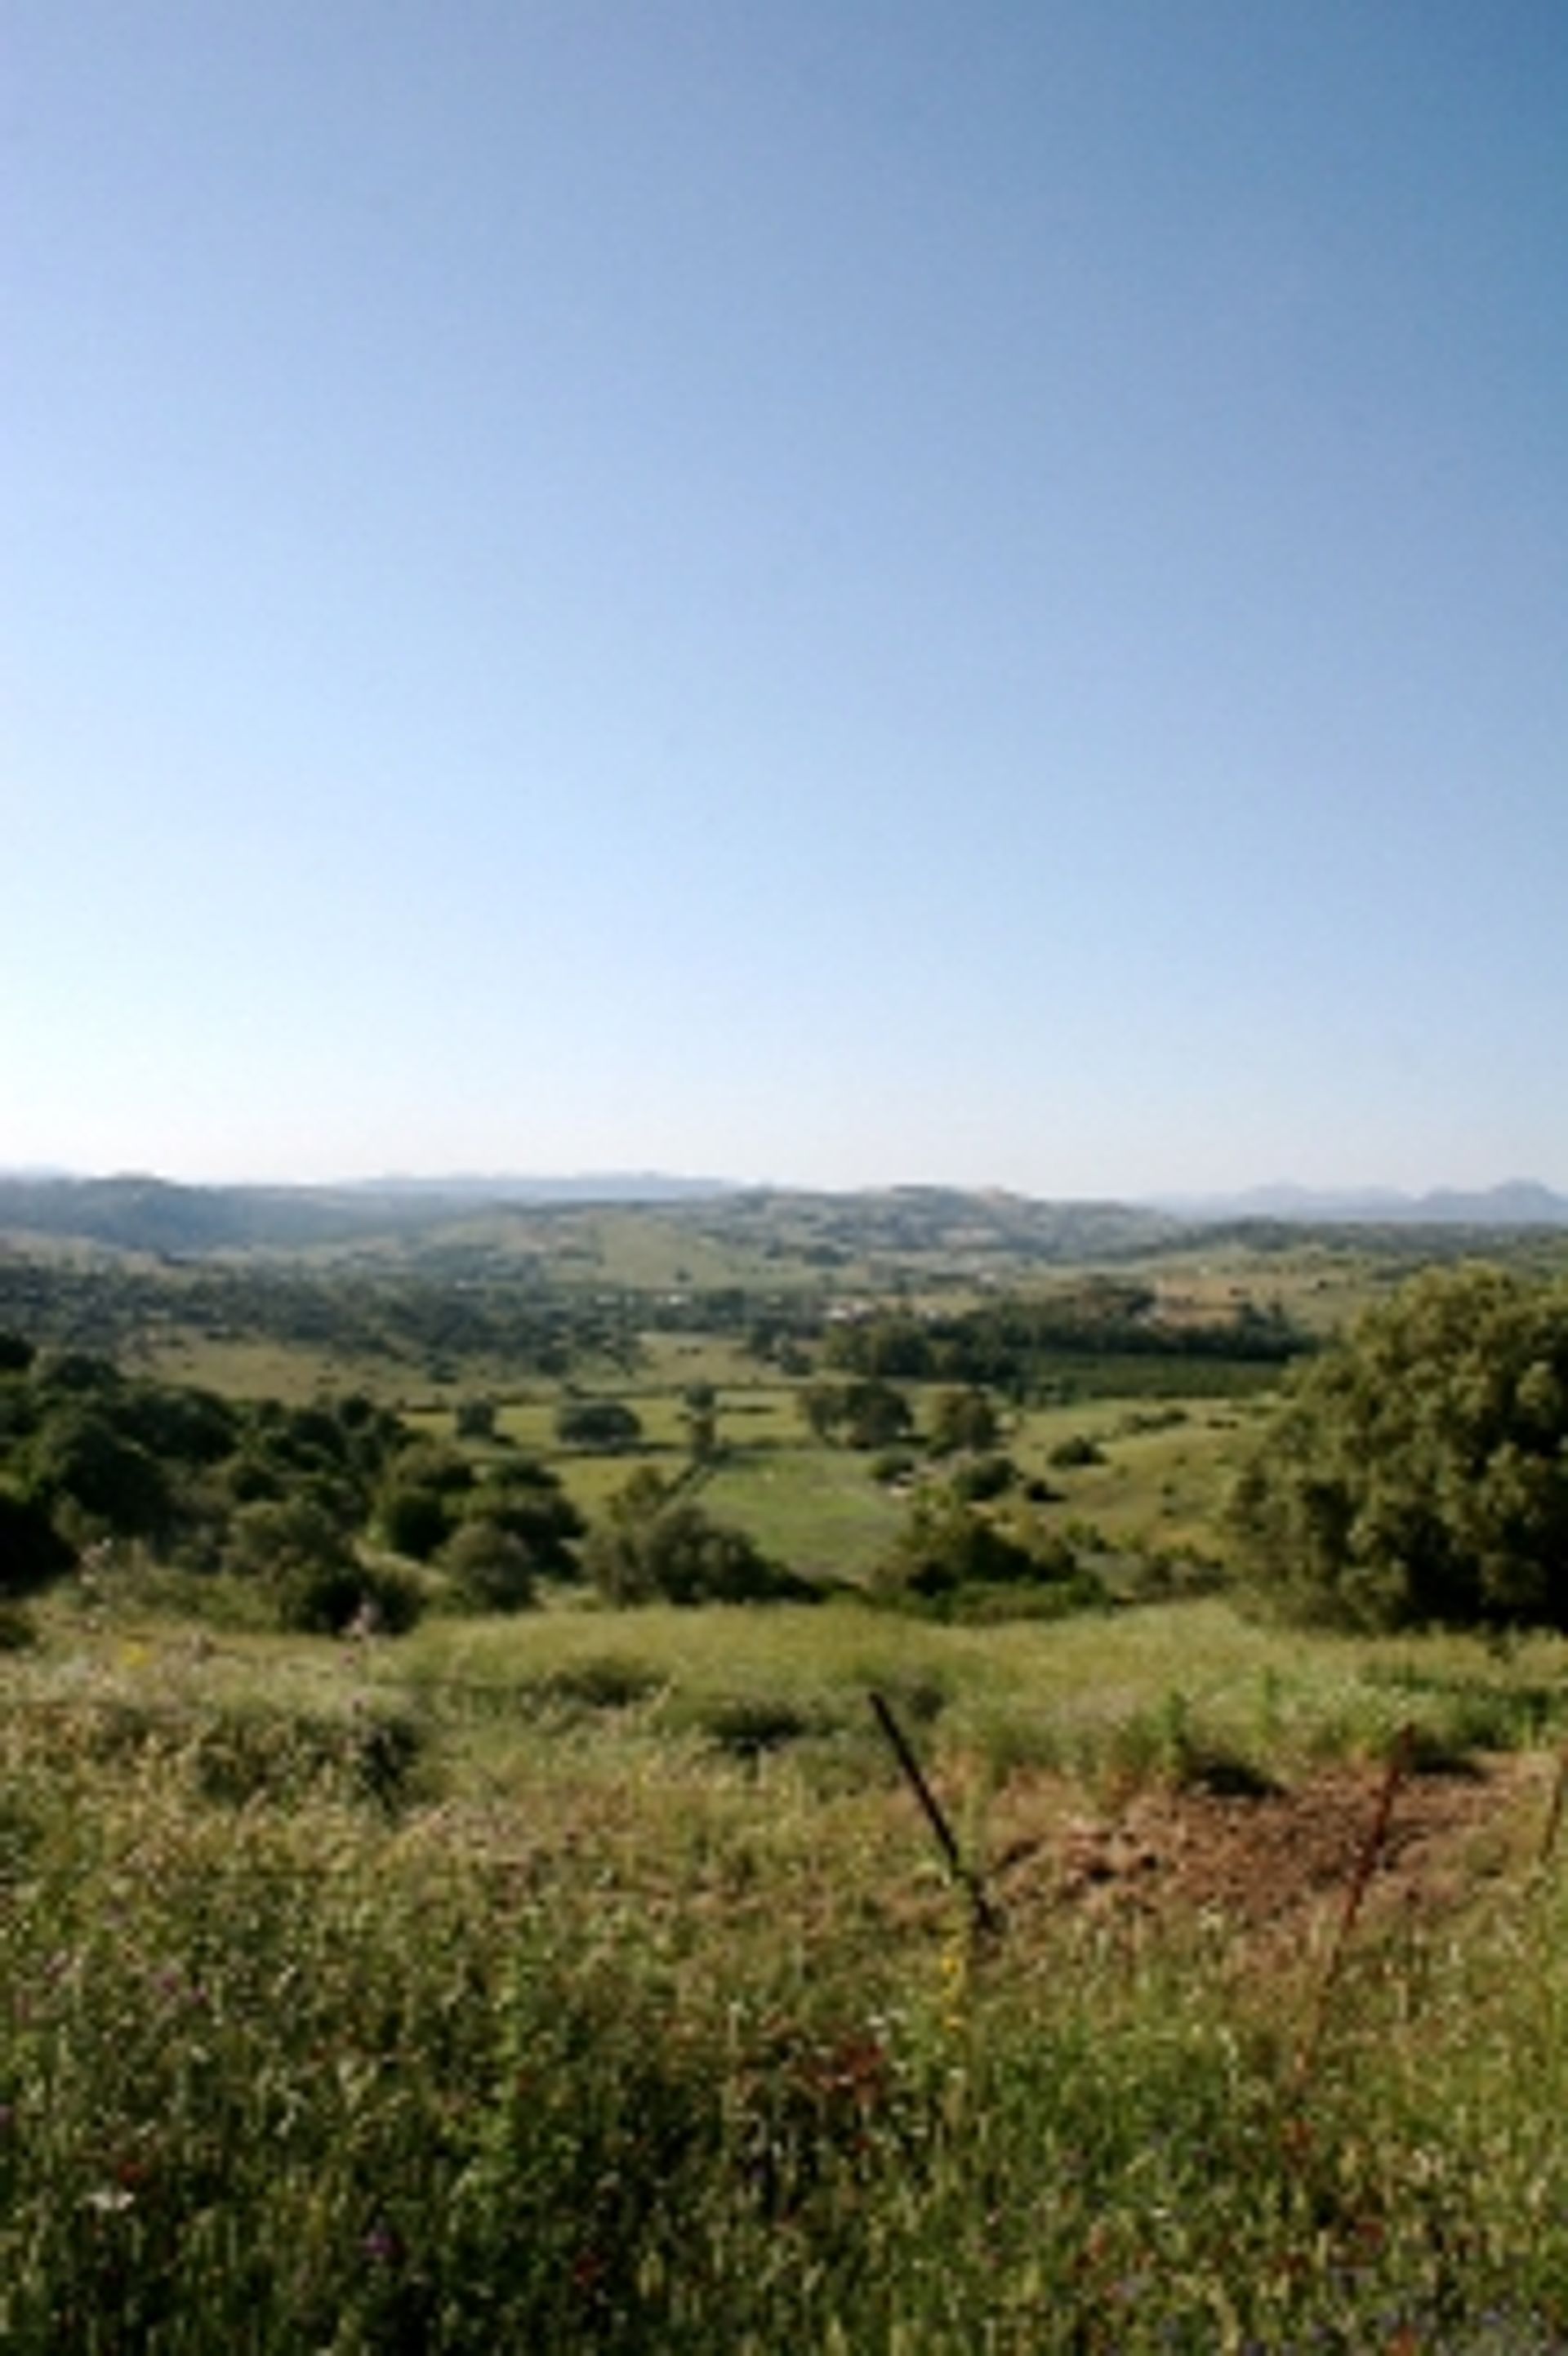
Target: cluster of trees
318 1506
658 1545
403 1318
957 1556
89 1454
298 1499
868 1413
604 1424
1418 1471
1015 1343
495 1528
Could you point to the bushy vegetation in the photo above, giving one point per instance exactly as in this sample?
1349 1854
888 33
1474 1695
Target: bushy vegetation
955 1557
405 1321
605 1423
1418 1471
868 1413
1015 1343
285 1500
657 1545
576 1972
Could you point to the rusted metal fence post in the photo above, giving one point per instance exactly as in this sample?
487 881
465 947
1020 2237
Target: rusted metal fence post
987 1919
1553 1823
1400 1762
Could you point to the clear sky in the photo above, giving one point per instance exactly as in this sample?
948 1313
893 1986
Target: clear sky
835 591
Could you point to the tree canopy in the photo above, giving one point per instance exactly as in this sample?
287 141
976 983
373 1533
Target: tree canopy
657 1545
1418 1470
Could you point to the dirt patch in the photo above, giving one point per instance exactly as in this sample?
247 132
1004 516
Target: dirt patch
1280 1862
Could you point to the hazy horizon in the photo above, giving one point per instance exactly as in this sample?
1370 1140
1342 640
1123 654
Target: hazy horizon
856 594
678 1185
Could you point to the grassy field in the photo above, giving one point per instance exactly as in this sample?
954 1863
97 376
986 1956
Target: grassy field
590 1980
1160 1482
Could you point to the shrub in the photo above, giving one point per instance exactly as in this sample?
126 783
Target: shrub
329 1598
892 1464
78 1459
655 1546
526 1499
273 1537
608 1424
414 1520
748 1726
32 1551
489 1566
18 1630
1418 1470
602 1681
306 1563
965 1418
475 1419
986 1476
946 1544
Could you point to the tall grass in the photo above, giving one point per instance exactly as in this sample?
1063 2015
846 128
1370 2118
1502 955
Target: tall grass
590 2030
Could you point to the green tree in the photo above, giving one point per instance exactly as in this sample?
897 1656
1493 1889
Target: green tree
525 1499
475 1419
657 1545
947 1543
303 1557
273 1539
965 1418
79 1462
875 1414
1418 1470
700 1413
422 1501
868 1413
823 1407
32 1551
414 1520
607 1424
490 1567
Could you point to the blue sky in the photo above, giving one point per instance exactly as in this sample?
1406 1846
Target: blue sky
842 592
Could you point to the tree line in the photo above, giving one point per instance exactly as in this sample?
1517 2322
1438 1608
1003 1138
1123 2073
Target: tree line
406 1320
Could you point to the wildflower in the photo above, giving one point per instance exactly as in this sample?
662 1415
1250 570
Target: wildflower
381 2245
109 2199
955 1974
587 2272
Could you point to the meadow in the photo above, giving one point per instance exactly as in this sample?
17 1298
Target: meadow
590 1979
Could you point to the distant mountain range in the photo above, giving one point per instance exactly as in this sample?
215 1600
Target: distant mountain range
605 1187
1519 1203
152 1214
137 1213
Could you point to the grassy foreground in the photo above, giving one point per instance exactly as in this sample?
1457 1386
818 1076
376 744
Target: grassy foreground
586 1981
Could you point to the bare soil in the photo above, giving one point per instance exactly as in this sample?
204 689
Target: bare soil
1280 1864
